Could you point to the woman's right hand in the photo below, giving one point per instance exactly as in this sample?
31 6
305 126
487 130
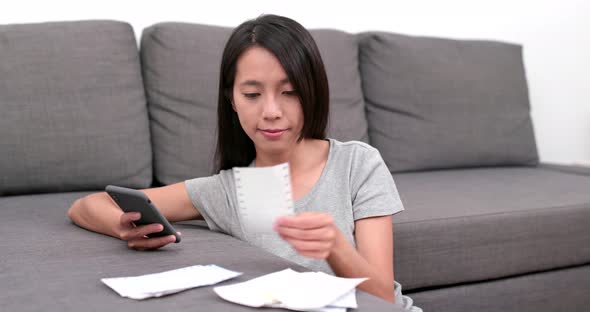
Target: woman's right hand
136 236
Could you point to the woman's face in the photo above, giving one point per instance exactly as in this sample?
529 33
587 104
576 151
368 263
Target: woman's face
267 105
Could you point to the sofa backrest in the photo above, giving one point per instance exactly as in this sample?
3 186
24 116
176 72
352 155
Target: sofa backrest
74 113
436 103
73 110
180 65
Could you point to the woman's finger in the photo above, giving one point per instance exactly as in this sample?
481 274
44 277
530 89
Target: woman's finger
141 231
306 220
315 254
128 218
321 234
310 246
151 243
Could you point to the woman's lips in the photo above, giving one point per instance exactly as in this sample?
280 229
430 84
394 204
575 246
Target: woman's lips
272 133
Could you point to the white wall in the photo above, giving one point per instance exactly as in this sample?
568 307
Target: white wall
555 35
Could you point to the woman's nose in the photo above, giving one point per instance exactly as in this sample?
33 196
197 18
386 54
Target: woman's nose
271 109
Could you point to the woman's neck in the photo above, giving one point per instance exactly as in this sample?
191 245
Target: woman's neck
299 157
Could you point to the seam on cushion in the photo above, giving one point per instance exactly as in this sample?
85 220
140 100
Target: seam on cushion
587 205
565 169
495 279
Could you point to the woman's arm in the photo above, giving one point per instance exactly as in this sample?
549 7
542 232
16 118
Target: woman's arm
98 213
315 235
372 258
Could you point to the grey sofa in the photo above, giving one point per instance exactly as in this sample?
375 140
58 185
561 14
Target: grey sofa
486 227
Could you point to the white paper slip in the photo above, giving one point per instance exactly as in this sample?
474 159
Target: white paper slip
169 282
308 291
264 194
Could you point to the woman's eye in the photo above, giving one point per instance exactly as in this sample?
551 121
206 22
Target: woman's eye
251 95
291 93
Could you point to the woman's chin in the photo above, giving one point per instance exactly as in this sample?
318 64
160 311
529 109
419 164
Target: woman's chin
273 146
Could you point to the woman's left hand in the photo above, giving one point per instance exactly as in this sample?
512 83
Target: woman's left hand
312 234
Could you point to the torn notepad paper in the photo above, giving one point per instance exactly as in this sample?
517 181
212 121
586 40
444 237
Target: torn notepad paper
169 282
308 291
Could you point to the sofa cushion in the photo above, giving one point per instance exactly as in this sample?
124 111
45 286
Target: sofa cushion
181 71
46 261
73 108
476 224
557 290
442 103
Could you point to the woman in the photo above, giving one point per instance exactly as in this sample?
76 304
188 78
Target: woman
273 108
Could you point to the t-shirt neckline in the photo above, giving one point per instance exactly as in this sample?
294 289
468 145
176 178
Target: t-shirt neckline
309 195
306 198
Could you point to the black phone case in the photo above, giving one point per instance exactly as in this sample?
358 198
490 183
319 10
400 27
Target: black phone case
130 200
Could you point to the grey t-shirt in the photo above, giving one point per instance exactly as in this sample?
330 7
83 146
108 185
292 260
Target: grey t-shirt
354 184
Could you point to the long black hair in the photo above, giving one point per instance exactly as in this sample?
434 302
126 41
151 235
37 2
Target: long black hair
298 53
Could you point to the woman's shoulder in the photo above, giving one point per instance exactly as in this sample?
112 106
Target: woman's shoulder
354 149
354 157
224 179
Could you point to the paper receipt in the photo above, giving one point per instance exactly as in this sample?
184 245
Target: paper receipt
264 194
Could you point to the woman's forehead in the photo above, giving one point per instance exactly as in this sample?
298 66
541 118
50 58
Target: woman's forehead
258 66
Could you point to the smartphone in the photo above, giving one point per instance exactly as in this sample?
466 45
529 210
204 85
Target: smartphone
130 200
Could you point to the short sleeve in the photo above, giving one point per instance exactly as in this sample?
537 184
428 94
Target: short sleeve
373 190
210 198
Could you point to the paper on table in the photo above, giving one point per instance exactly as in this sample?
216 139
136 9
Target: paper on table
169 282
308 291
340 305
264 194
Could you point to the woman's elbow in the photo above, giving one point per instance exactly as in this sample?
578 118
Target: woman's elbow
379 288
389 294
74 210
386 291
